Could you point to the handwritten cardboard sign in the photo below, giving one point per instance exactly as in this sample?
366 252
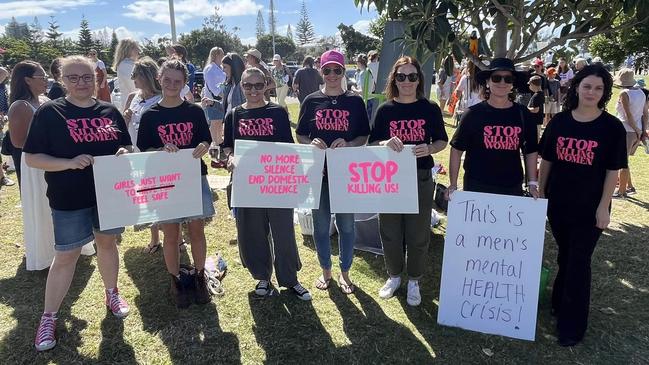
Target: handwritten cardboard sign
372 180
492 264
147 187
277 175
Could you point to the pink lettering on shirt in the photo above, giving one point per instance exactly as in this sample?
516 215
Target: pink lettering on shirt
179 134
498 137
332 120
408 130
89 130
579 151
256 127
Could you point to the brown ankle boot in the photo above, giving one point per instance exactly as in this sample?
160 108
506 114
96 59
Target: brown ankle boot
201 293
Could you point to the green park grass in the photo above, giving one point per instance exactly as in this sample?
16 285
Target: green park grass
333 328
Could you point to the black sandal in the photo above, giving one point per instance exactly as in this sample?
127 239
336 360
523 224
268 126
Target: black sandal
322 283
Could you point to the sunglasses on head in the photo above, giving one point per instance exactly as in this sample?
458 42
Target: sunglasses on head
258 86
400 77
336 70
507 78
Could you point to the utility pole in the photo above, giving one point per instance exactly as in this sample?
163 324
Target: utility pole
172 17
272 23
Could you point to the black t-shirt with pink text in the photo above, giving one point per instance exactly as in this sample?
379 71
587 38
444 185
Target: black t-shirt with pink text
184 126
581 153
269 123
64 130
493 140
333 117
415 123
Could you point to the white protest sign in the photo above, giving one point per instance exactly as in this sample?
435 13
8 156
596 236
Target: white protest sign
492 264
372 180
147 187
276 175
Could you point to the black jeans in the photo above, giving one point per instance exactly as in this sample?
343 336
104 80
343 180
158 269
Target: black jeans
571 291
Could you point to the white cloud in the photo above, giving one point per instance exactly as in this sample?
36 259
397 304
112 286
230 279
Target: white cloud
121 32
158 10
362 26
251 41
38 7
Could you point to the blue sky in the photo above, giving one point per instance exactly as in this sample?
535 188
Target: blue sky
150 18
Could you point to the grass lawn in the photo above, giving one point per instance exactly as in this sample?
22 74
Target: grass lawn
333 328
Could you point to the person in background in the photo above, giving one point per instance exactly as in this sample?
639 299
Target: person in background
631 109
316 64
565 75
582 150
149 92
126 53
158 132
4 108
443 88
493 160
373 66
28 84
467 89
317 127
281 76
57 89
233 67
406 101
580 63
554 90
102 91
53 145
307 80
364 78
212 98
180 52
255 225
253 59
536 104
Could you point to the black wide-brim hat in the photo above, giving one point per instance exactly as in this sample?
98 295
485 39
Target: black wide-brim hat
504 64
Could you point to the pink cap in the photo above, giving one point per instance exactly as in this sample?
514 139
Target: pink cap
332 57
537 62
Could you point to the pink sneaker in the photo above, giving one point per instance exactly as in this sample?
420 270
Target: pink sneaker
46 333
116 303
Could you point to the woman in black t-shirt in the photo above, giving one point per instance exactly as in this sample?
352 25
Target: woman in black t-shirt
333 118
493 134
170 125
583 148
259 120
408 118
65 135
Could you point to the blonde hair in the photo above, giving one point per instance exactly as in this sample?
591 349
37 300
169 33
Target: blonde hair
581 61
76 60
124 48
148 69
253 71
215 51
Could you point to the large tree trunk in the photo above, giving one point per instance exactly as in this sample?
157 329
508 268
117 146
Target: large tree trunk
500 36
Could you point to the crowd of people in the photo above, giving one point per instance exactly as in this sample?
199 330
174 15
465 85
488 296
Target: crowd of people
582 146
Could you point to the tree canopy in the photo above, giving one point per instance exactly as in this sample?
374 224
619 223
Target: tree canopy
508 28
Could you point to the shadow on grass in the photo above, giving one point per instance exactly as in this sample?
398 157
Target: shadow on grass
191 335
289 330
373 334
25 292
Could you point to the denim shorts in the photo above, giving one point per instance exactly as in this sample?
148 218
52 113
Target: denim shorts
215 111
75 228
208 206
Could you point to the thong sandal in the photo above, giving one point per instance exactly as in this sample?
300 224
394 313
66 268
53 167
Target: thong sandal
151 248
322 283
346 288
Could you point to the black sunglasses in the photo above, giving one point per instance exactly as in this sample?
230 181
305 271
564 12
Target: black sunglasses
498 78
413 77
258 86
326 71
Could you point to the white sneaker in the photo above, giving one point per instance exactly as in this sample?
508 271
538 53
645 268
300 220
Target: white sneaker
391 285
414 298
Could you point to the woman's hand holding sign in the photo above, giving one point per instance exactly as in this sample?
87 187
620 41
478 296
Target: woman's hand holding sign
340 142
319 143
394 143
200 150
170 147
